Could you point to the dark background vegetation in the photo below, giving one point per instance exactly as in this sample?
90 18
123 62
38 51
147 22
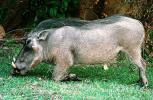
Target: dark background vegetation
21 13
26 14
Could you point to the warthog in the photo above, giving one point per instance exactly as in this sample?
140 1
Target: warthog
96 42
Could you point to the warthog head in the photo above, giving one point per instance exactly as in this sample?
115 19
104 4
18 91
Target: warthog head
31 53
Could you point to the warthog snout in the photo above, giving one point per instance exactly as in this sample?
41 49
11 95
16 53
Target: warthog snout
30 55
18 70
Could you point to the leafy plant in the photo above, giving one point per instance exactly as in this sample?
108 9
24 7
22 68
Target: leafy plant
45 9
3 13
38 10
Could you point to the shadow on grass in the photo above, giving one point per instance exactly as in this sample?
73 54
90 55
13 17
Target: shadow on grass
123 74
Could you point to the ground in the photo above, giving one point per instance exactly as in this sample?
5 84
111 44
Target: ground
118 82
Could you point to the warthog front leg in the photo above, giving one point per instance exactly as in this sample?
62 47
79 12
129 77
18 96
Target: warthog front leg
60 73
63 61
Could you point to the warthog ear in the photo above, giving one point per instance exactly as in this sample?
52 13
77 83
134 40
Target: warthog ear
43 35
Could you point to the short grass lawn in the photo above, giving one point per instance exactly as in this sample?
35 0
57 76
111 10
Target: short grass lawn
117 83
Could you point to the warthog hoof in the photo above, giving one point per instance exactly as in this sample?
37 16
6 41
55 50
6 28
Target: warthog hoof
71 77
143 83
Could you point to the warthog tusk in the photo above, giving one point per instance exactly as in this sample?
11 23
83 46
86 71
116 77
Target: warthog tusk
13 65
14 59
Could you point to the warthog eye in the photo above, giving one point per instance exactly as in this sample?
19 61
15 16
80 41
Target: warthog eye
28 44
21 60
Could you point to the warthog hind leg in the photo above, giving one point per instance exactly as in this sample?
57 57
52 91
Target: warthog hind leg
138 60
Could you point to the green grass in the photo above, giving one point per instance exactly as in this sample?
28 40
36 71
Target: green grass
119 82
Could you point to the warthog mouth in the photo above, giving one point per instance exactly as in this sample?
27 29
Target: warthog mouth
17 71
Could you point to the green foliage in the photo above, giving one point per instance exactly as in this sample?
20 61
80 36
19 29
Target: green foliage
148 48
150 34
54 8
5 11
38 10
